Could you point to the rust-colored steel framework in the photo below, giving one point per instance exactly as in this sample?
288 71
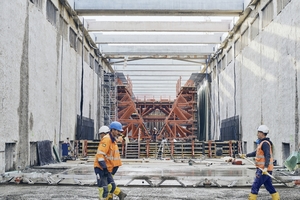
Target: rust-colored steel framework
128 115
154 113
164 118
181 121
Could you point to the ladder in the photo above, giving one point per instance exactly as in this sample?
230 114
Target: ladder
163 148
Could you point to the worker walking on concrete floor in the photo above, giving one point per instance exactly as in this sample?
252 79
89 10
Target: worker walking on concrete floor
117 191
264 163
107 161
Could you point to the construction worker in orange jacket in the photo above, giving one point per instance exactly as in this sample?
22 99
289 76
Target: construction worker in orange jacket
107 161
264 164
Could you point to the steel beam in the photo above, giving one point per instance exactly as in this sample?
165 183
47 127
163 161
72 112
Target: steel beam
101 38
158 26
158 7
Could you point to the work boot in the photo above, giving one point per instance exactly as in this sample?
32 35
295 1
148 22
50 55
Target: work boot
110 197
122 195
101 193
275 196
252 196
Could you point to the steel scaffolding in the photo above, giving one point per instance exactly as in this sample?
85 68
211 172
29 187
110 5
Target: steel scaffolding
109 98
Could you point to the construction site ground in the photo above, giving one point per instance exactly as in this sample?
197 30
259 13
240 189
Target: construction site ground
146 179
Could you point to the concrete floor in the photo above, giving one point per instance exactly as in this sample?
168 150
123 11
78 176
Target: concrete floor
206 179
38 192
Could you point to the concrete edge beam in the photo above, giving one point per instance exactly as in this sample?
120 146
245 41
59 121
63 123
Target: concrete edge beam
158 7
101 38
158 26
187 58
151 68
160 62
156 49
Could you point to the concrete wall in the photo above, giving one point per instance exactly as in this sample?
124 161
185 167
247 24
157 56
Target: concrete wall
40 78
261 83
2 156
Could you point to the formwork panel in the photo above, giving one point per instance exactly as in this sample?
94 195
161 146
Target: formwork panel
10 151
33 154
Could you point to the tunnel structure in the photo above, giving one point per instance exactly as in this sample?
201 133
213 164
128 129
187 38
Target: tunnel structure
70 79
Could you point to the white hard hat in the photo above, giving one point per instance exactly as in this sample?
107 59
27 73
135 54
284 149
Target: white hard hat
104 129
263 128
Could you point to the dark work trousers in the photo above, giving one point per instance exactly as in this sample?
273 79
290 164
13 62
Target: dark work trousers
262 179
103 181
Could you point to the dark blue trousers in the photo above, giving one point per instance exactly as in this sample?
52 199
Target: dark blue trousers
103 181
262 179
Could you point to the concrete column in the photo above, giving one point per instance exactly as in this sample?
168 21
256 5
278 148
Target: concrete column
22 158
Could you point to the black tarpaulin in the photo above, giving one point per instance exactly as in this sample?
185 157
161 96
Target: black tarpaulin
44 149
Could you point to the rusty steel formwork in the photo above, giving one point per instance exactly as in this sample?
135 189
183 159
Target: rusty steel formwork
182 119
128 116
157 119
154 113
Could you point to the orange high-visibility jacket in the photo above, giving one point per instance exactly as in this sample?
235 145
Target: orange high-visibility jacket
109 152
260 157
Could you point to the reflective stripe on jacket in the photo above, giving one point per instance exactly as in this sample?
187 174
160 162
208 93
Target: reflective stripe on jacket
260 157
108 151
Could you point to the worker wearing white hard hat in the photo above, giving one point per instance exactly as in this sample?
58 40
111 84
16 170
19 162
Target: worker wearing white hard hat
103 130
264 164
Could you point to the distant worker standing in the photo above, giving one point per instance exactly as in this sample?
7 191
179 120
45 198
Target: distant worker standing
107 161
154 134
264 164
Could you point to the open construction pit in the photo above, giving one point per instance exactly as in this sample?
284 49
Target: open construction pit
145 179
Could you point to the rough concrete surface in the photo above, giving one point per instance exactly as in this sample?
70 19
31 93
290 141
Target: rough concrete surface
34 192
79 181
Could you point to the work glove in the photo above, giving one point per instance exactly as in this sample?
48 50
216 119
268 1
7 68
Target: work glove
243 156
114 171
265 171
